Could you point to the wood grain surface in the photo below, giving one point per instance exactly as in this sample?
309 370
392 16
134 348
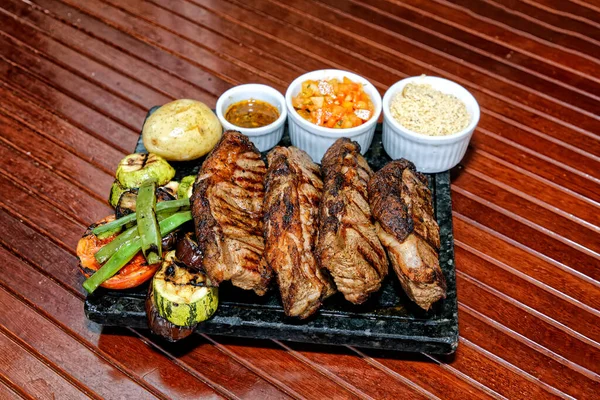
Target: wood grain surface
78 76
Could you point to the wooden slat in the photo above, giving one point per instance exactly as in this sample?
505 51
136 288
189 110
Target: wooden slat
531 236
528 186
562 23
534 27
10 392
83 67
41 182
113 132
58 130
32 375
342 363
125 112
581 319
561 224
535 163
58 348
125 57
69 166
282 367
569 9
541 363
186 49
545 331
522 261
518 39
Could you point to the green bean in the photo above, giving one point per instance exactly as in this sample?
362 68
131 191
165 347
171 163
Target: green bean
111 248
173 222
128 251
171 205
147 224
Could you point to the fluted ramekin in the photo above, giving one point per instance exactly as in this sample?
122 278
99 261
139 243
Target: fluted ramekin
430 154
315 139
265 137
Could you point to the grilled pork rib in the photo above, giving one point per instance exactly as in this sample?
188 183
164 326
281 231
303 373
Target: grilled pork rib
227 206
401 204
348 245
293 193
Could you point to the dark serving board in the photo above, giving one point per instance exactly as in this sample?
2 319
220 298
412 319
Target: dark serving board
388 320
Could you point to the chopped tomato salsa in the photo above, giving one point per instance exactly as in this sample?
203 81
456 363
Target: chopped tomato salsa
334 104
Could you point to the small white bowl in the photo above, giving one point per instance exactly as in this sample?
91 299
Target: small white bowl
430 154
315 139
265 137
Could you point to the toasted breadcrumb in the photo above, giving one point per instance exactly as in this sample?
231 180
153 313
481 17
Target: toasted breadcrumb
422 109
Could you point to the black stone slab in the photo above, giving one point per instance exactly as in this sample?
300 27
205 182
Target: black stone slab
388 320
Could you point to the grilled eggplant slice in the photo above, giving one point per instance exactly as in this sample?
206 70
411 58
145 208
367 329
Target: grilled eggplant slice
188 252
183 296
126 203
168 191
170 241
138 168
160 325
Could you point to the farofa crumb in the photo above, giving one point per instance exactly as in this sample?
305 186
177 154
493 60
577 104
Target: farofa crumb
422 109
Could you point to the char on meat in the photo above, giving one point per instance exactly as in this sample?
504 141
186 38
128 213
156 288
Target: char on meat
348 246
402 206
227 206
293 193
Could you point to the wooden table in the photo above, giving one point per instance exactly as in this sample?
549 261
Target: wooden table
77 77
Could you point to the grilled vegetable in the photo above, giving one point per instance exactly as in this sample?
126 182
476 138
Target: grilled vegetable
185 187
160 326
183 296
147 224
135 169
188 252
134 272
168 192
126 204
116 191
119 242
127 252
161 207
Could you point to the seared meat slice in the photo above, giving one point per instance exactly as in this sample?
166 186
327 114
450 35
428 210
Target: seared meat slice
227 203
292 200
348 245
402 206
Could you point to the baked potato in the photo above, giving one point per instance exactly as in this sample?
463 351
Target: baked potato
182 130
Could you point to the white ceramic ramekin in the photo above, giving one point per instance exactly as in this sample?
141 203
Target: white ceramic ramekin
430 154
314 139
265 137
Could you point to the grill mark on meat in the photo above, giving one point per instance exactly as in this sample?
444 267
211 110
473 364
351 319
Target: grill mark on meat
293 187
289 212
348 246
227 210
402 206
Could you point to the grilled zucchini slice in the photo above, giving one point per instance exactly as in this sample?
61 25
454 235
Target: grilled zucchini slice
182 296
138 168
185 187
